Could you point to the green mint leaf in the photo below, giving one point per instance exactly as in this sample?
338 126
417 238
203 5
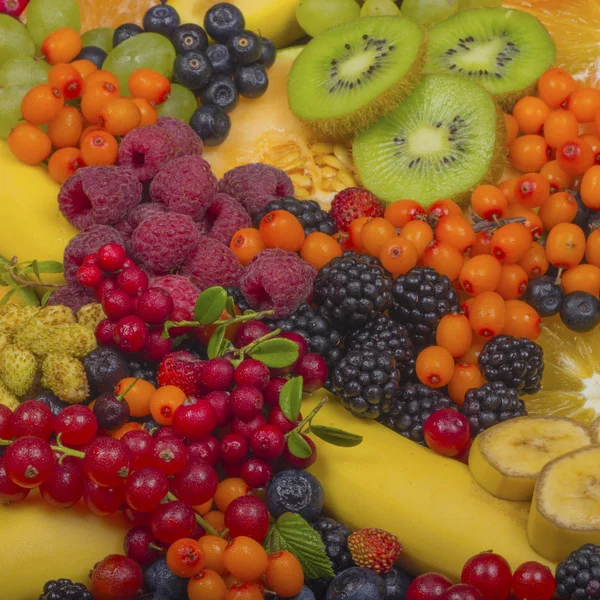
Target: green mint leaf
36 269
45 298
49 266
8 296
210 305
217 342
276 353
290 398
292 533
336 437
230 306
298 446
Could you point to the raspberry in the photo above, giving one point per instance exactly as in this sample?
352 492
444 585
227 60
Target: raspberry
255 185
186 185
87 242
181 289
99 195
183 370
145 211
223 217
278 280
188 141
72 296
212 264
146 150
352 203
165 242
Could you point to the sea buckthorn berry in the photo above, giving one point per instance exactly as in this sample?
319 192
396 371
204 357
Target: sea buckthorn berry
507 187
532 189
558 208
99 76
398 255
95 97
434 366
592 248
512 128
244 591
120 116
444 208
560 127
534 261
213 548
530 113
456 231
590 188
63 163
510 242
284 574
147 111
555 86
444 258
529 153
521 320
66 79
61 46
559 180
513 282
532 220
206 585
148 84
482 243
375 233
229 490
245 558
581 278
41 104
246 243
99 148
164 402
281 229
419 233
319 248
89 129
185 558
216 518
575 157
84 67
454 334
489 202
466 376
594 143
480 274
487 314
138 395
354 229
465 306
584 103
399 213
565 245
472 354
65 129
29 144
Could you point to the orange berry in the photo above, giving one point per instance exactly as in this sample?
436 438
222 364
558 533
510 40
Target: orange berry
399 213
244 591
65 129
148 84
245 558
590 188
214 549
592 248
466 376
206 585
534 261
560 127
164 402
454 334
529 153
444 208
419 233
375 233
597 121
284 574
558 179
555 86
95 97
489 202
444 258
465 306
482 243
66 79
61 46
510 242
532 220
530 113
246 243
99 148
147 111
513 282
84 67
581 278
594 143
532 189
521 320
131 426
185 557
558 208
512 128
281 229
480 274
202 509
29 144
99 76
575 157
507 187
216 519
120 116
472 354
229 490
398 255
434 366
41 104
319 248
63 163
487 314
584 103
565 245
456 231
354 231
138 397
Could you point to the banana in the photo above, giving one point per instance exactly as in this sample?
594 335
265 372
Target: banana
565 511
506 459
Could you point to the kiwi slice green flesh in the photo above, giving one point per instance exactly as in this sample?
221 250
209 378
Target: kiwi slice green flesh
504 50
444 139
354 73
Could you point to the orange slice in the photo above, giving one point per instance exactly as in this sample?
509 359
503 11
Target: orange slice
112 13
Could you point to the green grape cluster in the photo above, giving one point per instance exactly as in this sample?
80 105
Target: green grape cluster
181 104
316 16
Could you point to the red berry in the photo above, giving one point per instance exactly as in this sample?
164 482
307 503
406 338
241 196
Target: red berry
313 370
116 304
297 339
273 390
105 331
140 444
134 517
154 306
533 581
248 516
107 462
91 259
111 257
145 489
157 347
220 402
194 419
88 275
301 463
246 402
172 521
137 545
64 487
279 420
247 428
10 491
5 417
428 586
447 432
130 334
13 8
218 374
196 483
353 203
104 286
169 455
233 448
207 449
133 281
116 576
180 314
76 424
249 332
267 442
256 473
233 469
252 372
102 501
490 574
32 418
29 461
462 592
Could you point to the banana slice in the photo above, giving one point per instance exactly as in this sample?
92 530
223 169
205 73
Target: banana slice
595 429
565 513
506 459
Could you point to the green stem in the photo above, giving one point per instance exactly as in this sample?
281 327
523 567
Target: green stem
253 316
66 451
120 397
247 349
204 524
309 417
15 274
155 547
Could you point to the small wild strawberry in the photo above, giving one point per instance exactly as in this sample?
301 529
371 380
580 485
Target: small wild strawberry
374 549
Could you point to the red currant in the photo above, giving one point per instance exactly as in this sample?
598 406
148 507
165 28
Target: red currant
29 461
313 370
279 420
116 576
196 483
106 285
145 489
130 334
9 490
132 280
157 347
76 425
172 521
140 444
301 463
248 516
219 400
252 372
447 432
64 487
116 304
267 442
256 473
247 428
111 257
194 419
88 275
137 545
102 501
246 402
218 374
32 418
490 574
107 462
533 581
169 455
5 417
180 314
207 449
105 332
249 332
234 447
154 306
462 592
273 390
428 586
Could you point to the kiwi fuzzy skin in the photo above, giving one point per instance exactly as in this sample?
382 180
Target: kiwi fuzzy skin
507 101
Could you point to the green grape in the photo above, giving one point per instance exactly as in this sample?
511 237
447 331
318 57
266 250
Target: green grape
466 4
101 37
24 71
144 51
10 107
181 104
429 12
14 39
46 16
315 16
377 8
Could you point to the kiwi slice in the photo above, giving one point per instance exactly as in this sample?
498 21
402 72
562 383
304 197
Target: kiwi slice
504 50
444 139
354 73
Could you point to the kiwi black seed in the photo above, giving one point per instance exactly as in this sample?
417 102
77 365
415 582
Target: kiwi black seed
504 50
444 139
352 74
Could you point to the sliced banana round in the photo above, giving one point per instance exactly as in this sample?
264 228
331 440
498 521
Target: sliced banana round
565 513
506 459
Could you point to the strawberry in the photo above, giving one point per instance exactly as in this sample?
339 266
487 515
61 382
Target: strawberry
183 370
374 549
352 203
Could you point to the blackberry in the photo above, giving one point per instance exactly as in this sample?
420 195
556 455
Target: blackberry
384 334
419 300
311 216
518 362
352 290
64 589
367 382
409 411
490 404
144 370
578 576
238 298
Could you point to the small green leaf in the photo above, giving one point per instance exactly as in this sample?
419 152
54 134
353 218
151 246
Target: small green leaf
210 305
49 266
45 297
336 437
36 269
8 296
290 398
230 306
216 341
298 446
276 353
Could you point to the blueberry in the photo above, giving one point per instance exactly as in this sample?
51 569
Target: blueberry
295 491
161 19
583 212
192 70
211 123
160 579
356 583
396 584
189 37
124 32
223 20
305 594
580 311
220 59
93 54
251 81
268 53
544 295
593 221
221 92
50 400
104 368
245 47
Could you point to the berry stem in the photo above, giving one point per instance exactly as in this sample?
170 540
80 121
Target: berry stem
247 349
204 524
311 415
482 225
155 547
15 273
59 448
120 397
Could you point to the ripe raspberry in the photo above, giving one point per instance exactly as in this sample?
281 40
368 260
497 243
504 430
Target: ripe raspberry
188 141
99 195
211 264
165 242
278 280
352 203
145 211
223 217
255 185
374 549
146 150
72 296
186 185
180 288
184 370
